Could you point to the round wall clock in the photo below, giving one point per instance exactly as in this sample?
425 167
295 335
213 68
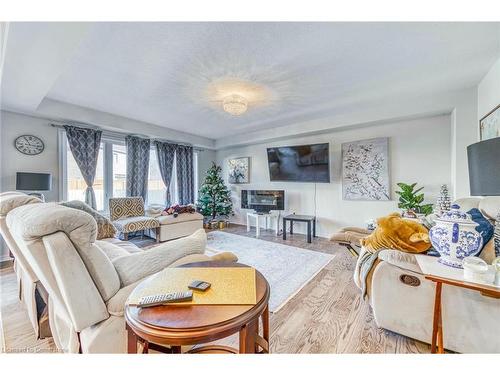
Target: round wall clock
29 144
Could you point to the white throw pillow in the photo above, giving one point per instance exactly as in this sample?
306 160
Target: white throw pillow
137 266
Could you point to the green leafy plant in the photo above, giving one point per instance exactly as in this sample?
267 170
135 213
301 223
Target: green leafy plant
214 198
411 200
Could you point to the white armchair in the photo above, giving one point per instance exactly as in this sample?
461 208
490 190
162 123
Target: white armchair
88 281
403 300
31 292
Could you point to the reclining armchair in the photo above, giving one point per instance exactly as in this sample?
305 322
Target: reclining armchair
31 291
403 300
88 281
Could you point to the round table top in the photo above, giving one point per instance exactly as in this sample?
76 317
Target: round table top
180 325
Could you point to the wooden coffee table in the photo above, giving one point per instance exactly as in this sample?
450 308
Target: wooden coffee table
174 326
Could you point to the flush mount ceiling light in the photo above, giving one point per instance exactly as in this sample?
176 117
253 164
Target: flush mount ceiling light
235 104
235 96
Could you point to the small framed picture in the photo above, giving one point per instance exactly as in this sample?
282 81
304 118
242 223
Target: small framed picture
239 170
489 125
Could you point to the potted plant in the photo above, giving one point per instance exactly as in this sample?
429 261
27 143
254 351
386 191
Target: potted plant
411 201
214 198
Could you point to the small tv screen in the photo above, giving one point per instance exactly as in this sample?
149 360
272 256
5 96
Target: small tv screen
33 181
307 163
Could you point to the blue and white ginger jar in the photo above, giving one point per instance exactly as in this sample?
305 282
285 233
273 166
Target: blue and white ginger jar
455 237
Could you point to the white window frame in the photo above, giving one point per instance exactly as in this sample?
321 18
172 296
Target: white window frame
153 149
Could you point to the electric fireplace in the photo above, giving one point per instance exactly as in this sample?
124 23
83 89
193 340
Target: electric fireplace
263 201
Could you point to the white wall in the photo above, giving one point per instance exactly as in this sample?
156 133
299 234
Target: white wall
205 160
420 151
12 161
461 103
57 110
464 131
488 92
14 125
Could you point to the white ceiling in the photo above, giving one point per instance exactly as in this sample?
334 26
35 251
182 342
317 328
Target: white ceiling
167 73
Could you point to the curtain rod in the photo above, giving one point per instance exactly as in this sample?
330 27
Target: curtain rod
115 133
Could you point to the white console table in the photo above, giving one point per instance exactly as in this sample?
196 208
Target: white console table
258 220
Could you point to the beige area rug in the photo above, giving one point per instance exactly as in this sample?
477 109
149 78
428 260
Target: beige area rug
287 268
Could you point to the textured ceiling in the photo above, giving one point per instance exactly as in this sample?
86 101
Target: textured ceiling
175 74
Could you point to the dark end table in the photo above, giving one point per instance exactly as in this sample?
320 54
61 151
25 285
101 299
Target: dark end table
311 224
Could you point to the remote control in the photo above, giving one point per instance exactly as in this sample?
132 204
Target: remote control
163 299
199 285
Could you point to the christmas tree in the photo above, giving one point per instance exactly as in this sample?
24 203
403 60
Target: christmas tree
443 203
214 198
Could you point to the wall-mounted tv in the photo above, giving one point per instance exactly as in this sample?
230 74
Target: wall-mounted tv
307 163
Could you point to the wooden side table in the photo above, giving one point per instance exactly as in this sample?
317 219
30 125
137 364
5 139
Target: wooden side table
441 274
174 326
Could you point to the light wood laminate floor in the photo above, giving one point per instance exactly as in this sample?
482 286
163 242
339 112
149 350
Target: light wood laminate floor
327 316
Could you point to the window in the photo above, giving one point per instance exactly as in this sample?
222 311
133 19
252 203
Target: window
76 185
110 178
111 175
156 188
119 170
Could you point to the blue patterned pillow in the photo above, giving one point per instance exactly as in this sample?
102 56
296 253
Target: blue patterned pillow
484 227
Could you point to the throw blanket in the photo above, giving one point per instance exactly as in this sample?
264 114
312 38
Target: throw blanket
365 263
178 209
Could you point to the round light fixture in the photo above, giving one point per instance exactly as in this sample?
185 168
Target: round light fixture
235 104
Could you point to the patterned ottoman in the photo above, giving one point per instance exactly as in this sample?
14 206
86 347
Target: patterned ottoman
183 225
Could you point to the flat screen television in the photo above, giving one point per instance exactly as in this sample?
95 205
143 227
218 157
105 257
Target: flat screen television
307 163
33 181
263 200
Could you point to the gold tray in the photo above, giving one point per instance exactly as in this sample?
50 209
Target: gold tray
230 286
